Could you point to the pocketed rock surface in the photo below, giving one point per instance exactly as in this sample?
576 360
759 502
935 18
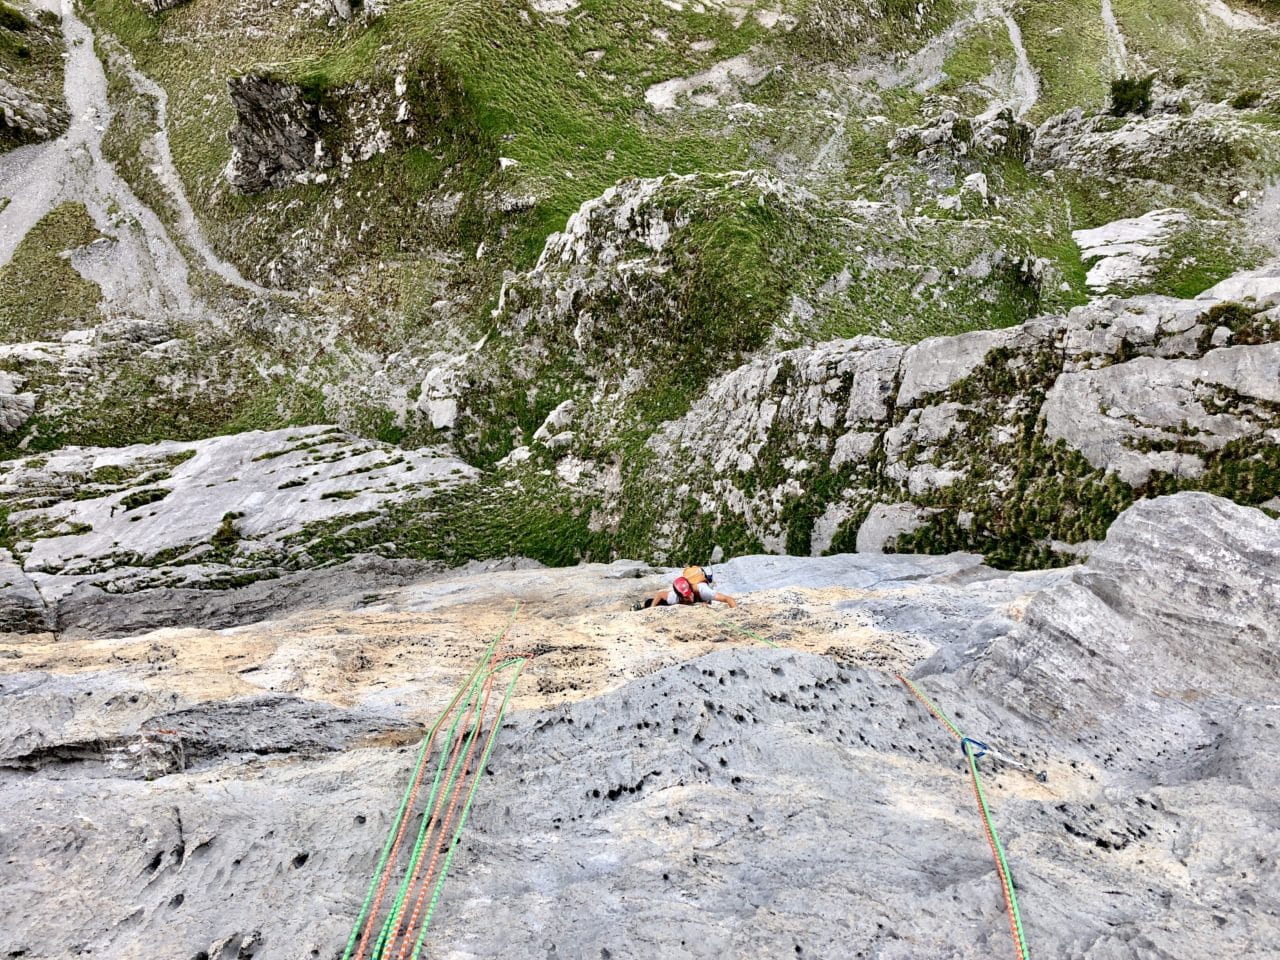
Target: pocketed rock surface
667 786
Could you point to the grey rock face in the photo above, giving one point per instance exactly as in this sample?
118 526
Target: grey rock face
886 523
63 734
1138 392
276 137
22 609
189 514
284 136
1173 617
932 366
1109 414
89 610
744 803
15 407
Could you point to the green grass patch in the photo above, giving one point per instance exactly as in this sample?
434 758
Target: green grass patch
1067 46
842 31
8 535
1185 46
13 19
497 87
1197 259
140 498
41 294
984 48
475 522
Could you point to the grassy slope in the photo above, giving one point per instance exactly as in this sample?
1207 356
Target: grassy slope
565 98
523 99
41 294
984 49
1181 45
1067 46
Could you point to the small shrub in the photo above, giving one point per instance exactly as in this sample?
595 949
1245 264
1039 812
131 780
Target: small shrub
1131 95
140 498
1248 327
112 474
1246 99
12 19
226 537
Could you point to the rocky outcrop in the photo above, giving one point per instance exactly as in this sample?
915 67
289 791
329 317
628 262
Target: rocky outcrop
1125 252
25 118
951 137
1019 443
15 407
229 792
22 608
1168 415
276 138
1022 444
227 509
1065 419
31 98
678 278
160 6
284 134
1209 143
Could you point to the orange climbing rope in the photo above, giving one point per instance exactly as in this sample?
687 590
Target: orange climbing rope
404 822
465 716
440 828
968 746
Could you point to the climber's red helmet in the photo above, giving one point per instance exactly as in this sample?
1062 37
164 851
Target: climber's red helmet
684 589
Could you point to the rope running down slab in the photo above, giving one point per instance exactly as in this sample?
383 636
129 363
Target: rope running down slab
972 750
466 694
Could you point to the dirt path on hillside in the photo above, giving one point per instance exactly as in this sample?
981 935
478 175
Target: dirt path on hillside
1117 64
140 269
1027 83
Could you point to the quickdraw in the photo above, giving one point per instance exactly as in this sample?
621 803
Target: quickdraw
972 750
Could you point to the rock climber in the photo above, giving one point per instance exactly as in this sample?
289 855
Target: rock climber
694 585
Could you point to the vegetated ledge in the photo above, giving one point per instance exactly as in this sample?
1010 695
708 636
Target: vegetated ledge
216 512
1020 443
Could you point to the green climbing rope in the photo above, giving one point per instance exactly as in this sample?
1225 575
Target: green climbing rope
397 908
419 764
466 810
1011 896
743 630
997 849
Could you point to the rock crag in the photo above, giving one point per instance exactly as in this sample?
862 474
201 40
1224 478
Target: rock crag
227 791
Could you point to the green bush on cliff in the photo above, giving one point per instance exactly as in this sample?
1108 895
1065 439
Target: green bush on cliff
13 19
1131 95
